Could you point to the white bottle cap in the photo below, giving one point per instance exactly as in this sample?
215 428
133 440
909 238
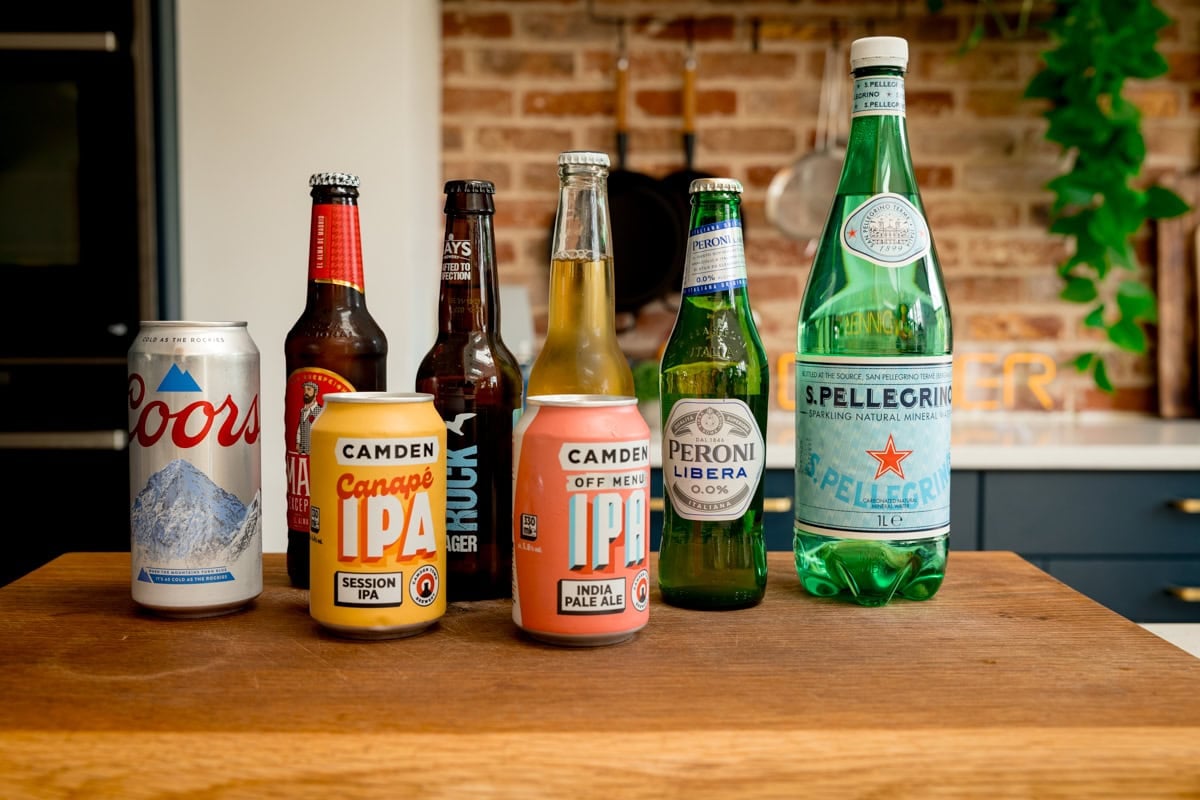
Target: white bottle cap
879 51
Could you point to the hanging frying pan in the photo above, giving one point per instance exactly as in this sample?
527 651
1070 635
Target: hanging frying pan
647 234
799 196
678 183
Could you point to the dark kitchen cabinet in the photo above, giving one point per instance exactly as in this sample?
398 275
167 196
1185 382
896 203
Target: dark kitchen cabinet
1129 540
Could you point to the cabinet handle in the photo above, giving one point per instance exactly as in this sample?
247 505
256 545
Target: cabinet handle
1188 594
1188 505
771 505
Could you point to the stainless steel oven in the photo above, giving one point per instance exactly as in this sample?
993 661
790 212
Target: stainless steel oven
78 264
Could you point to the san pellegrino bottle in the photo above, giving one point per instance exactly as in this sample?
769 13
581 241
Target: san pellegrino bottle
873 372
714 389
581 354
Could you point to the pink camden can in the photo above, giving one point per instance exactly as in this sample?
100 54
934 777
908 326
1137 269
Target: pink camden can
195 468
581 519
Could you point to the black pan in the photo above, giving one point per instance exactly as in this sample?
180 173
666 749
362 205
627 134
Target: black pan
647 232
678 184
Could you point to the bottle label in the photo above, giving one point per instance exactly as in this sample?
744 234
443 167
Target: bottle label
334 247
887 230
715 260
303 402
873 446
456 260
713 458
878 96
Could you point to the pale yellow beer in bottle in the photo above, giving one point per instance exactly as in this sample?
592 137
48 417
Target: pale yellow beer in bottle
581 354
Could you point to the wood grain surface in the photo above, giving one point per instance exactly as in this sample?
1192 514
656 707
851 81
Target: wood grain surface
1177 280
1008 683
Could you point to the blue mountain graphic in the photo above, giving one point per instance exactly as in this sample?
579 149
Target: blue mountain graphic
142 576
177 380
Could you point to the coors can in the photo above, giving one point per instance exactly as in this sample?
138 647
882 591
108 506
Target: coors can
195 468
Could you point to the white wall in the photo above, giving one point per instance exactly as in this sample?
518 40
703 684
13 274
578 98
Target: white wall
271 91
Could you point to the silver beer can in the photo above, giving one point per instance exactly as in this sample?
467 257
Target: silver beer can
195 468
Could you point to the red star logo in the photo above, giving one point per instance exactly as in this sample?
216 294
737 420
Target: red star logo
851 233
889 458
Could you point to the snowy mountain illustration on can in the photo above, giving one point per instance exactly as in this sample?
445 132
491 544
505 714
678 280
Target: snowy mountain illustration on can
195 468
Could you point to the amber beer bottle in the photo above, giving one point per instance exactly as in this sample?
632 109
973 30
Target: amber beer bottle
335 345
476 385
581 354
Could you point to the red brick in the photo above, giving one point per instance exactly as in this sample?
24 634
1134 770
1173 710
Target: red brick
568 104
1152 102
765 248
1008 177
1171 143
452 138
746 65
932 176
1008 327
489 26
506 251
985 63
932 138
669 103
497 172
928 103
970 212
526 213
542 176
656 63
526 140
760 176
453 61
794 29
748 140
1183 66
558 27
485 102
922 28
541 64
699 29
991 251
1002 103
782 103
1141 400
983 289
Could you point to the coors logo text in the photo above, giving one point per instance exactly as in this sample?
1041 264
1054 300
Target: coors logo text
192 424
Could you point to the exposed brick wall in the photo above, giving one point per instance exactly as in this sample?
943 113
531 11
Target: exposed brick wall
526 79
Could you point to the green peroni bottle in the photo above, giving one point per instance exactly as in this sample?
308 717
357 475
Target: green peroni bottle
873 348
714 390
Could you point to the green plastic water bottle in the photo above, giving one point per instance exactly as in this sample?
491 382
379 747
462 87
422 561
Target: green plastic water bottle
873 367
715 389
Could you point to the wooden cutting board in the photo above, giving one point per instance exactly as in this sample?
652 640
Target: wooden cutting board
1178 275
1008 683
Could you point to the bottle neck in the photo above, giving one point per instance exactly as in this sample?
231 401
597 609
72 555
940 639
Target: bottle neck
467 296
877 153
335 267
715 263
581 226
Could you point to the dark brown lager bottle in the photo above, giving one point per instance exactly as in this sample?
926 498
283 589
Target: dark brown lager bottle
335 346
476 386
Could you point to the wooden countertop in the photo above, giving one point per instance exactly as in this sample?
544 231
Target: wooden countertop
1007 683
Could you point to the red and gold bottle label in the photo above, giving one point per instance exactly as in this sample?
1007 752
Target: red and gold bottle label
303 402
335 251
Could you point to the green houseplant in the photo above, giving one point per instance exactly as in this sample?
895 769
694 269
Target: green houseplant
1096 46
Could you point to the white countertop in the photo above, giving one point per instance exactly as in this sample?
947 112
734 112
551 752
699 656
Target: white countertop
1047 441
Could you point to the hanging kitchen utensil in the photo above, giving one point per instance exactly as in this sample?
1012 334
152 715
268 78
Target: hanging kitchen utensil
678 184
799 196
647 234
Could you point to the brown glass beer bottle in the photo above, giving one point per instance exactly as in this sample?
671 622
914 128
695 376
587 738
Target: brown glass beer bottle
476 386
335 345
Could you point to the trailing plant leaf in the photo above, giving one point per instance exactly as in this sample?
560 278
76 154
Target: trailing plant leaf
1097 46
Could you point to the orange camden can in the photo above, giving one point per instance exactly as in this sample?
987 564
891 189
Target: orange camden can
377 520
581 519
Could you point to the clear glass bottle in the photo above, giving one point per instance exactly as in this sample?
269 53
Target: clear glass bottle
715 387
581 354
873 367
476 386
335 345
